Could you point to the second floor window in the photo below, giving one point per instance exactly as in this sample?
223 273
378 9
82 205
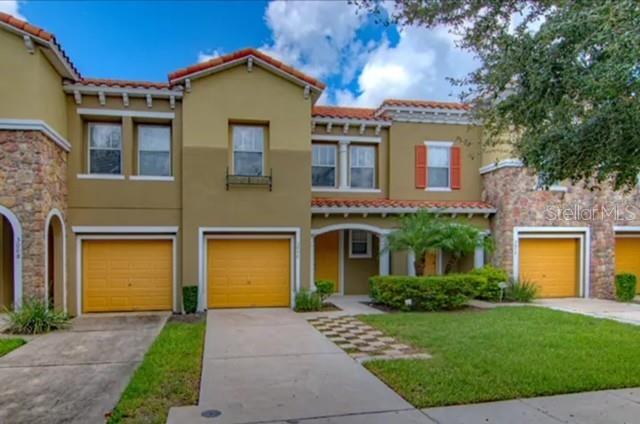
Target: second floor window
323 165
248 150
105 148
363 166
439 163
154 150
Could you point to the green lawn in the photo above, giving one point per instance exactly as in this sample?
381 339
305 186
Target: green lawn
7 345
168 376
507 353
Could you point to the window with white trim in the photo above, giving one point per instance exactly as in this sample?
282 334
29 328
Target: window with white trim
323 165
154 150
105 148
362 172
248 150
438 166
360 242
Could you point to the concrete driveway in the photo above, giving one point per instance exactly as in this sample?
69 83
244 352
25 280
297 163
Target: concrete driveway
624 312
77 375
270 365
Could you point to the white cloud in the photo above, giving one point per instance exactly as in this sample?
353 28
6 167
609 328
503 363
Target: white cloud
204 56
315 36
12 7
416 67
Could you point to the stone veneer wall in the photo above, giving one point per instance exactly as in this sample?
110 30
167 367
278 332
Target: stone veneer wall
33 180
512 191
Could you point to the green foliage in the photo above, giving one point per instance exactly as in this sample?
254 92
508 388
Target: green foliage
626 287
308 301
190 299
324 288
425 232
490 290
521 291
36 317
7 345
433 293
558 80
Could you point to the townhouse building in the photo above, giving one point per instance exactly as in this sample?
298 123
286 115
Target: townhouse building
116 194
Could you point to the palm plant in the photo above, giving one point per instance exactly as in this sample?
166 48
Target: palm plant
425 232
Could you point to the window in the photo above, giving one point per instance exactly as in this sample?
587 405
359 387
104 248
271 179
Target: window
248 150
438 167
154 150
105 149
359 244
323 171
363 170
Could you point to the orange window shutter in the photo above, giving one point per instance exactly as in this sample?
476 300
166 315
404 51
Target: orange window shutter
421 166
456 168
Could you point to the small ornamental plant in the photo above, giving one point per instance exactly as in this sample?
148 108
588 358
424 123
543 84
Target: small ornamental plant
626 285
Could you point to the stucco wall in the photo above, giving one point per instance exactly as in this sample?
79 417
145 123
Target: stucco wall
30 82
512 191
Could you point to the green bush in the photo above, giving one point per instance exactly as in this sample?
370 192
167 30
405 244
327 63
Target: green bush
324 288
490 290
432 293
626 287
190 299
521 291
35 317
308 301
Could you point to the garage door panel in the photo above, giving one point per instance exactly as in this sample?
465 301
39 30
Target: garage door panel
552 264
127 275
628 256
248 273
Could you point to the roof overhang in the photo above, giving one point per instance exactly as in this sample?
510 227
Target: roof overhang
360 210
72 88
427 115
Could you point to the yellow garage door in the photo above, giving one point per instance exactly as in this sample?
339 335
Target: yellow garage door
245 273
327 258
628 256
552 264
127 275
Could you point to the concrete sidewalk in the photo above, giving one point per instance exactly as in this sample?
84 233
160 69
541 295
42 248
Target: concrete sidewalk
76 375
271 365
609 406
628 313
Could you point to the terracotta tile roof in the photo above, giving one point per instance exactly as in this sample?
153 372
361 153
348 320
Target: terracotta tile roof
426 104
122 83
390 204
241 54
39 33
345 112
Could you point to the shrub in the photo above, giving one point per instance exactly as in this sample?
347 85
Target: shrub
490 290
432 293
190 299
626 287
36 317
521 291
308 301
324 288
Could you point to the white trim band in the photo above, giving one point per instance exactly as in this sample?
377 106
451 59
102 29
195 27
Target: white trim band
369 210
129 113
36 125
124 230
505 163
118 91
345 138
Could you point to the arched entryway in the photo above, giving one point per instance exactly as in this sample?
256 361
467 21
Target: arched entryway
55 260
10 260
349 254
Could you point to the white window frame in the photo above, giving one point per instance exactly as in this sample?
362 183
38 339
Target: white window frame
335 164
152 177
375 166
368 254
100 175
233 147
438 144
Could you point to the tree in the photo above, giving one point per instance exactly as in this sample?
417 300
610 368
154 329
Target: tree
560 77
425 232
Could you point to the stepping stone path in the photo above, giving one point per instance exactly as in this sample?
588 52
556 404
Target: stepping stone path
363 342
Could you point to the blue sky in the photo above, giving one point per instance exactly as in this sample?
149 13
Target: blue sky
361 61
